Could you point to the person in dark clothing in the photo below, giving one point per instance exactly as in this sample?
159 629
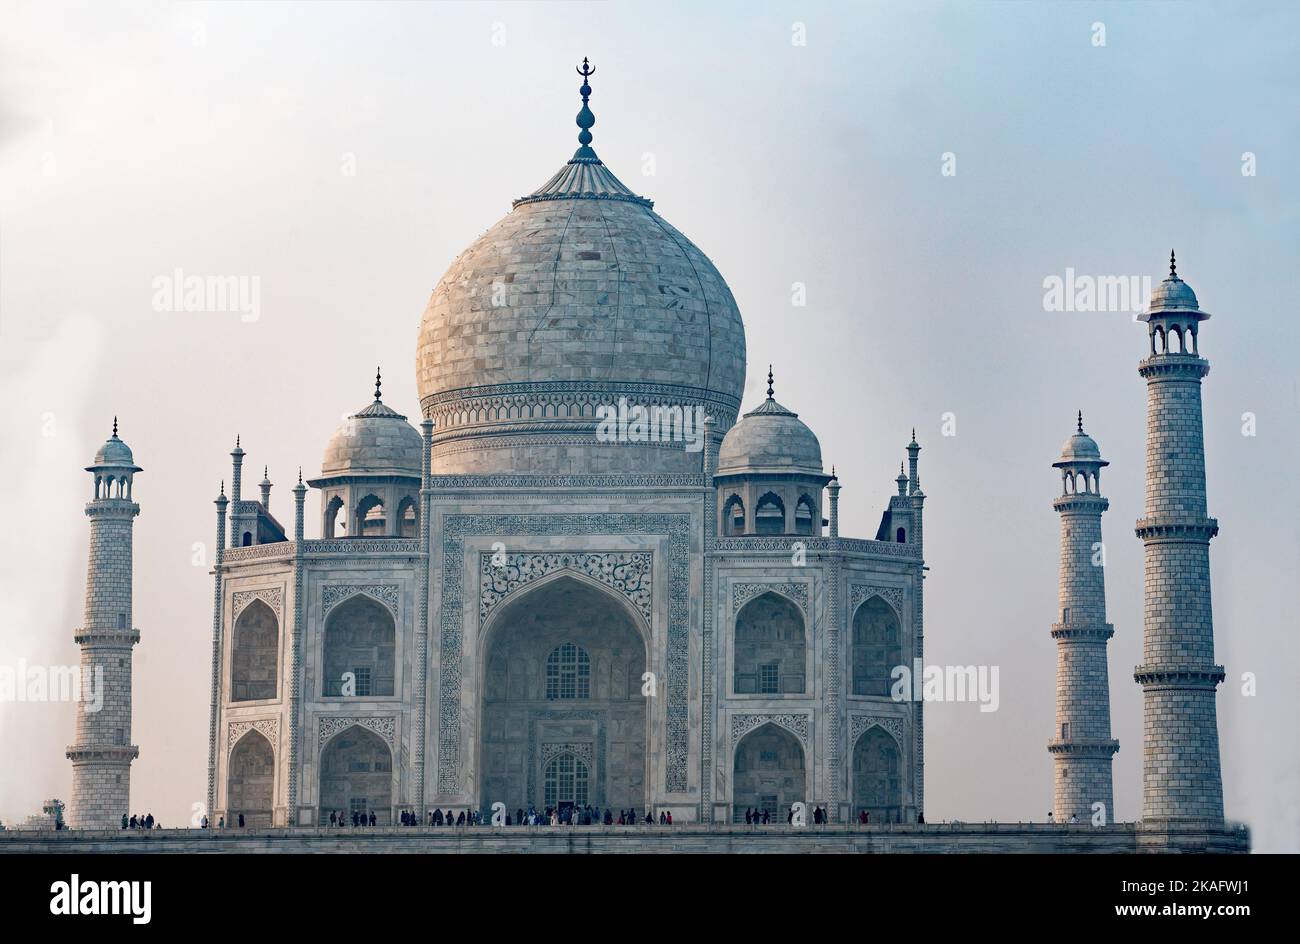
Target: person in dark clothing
372 817
133 822
920 819
609 817
354 819
241 820
767 817
124 821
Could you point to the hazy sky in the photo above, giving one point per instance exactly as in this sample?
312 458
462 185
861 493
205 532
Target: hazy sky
140 138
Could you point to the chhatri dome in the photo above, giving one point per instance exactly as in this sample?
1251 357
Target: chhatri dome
1080 447
770 438
578 297
376 440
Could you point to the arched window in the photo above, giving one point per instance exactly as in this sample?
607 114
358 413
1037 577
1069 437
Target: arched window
733 516
770 649
407 518
568 673
804 513
877 647
370 517
251 780
769 515
768 773
254 669
247 539
356 775
360 649
335 522
900 536
877 776
567 781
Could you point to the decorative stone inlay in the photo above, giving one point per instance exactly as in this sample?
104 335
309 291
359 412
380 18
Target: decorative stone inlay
742 593
269 727
271 596
860 593
546 482
677 709
370 547
235 555
581 751
860 723
385 727
333 595
628 573
795 724
784 545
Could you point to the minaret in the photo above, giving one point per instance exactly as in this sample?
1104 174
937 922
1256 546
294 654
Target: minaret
1181 779
236 490
101 757
1081 746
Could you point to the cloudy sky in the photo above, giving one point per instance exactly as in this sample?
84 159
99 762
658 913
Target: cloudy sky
343 154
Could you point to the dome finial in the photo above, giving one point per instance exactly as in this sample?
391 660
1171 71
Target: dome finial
585 117
1173 265
1081 421
377 383
770 391
115 427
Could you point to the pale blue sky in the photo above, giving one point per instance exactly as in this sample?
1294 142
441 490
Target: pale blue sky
136 139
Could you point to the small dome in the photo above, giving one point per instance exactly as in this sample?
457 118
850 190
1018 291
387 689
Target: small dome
114 452
1173 294
1080 447
374 441
770 439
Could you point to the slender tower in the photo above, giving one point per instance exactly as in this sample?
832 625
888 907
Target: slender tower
1082 747
101 757
1180 768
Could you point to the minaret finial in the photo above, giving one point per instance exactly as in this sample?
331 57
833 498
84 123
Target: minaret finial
1173 265
115 427
585 117
770 391
377 383
1081 421
299 475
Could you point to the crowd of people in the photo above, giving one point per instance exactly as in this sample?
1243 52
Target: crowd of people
140 822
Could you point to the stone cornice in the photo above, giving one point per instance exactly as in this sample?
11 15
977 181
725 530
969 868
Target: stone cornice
123 637
1174 367
1176 529
784 543
122 753
1172 675
1097 632
1087 504
1087 747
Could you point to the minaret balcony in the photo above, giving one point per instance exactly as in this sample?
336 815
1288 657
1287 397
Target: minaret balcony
1084 747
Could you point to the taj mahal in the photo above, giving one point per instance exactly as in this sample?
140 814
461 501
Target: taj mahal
503 603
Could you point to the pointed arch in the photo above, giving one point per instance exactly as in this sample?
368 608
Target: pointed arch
356 774
877 773
255 654
250 780
769 514
769 772
359 646
769 647
877 646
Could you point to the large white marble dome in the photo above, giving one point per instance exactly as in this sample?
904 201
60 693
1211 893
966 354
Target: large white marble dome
581 295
